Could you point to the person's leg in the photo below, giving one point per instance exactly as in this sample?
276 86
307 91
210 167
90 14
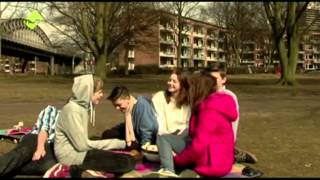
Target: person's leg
19 156
166 144
115 132
100 160
40 166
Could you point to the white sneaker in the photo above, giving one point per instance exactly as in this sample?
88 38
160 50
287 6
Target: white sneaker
167 173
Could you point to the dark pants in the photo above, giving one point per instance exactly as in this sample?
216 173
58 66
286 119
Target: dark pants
118 131
19 160
100 160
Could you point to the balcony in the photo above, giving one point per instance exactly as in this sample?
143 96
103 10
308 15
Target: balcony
211 58
185 56
186 44
212 48
198 34
166 27
198 57
211 37
166 41
198 46
167 54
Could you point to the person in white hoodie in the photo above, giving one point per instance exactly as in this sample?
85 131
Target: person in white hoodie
73 147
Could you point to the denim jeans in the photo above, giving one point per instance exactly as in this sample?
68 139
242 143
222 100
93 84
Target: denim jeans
166 144
19 160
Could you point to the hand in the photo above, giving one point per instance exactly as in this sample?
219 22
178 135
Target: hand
134 145
38 154
173 154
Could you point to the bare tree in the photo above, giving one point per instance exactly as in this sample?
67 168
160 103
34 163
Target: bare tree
182 10
244 20
137 22
284 19
96 27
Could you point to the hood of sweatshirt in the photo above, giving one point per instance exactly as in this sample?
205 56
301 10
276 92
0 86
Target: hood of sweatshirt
223 103
82 92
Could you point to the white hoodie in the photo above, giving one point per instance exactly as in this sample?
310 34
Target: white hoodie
72 142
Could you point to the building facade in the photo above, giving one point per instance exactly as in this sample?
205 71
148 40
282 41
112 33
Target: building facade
205 43
202 44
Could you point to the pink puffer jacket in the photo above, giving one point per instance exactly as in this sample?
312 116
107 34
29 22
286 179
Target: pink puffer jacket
212 147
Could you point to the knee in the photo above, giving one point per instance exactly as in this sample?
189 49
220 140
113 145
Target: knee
127 162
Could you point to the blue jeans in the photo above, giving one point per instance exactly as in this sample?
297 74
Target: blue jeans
166 144
19 160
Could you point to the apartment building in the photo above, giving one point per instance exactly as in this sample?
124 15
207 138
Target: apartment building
205 43
256 53
202 44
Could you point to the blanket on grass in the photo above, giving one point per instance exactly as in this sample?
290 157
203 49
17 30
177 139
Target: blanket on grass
142 169
14 134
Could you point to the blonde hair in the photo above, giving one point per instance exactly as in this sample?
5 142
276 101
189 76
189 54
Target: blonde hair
97 83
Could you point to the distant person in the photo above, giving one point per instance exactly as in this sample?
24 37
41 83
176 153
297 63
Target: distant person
173 115
34 153
220 74
72 146
140 126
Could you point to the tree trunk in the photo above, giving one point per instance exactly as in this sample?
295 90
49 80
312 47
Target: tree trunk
293 57
282 51
126 61
101 66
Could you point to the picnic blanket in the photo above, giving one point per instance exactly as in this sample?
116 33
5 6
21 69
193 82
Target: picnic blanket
14 134
142 170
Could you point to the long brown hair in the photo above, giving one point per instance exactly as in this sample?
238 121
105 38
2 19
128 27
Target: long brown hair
200 86
182 98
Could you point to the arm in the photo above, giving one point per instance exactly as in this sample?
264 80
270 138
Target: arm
40 151
76 130
205 125
44 122
159 101
146 120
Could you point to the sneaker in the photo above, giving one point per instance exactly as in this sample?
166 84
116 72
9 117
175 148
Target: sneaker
58 171
251 172
167 173
188 173
242 156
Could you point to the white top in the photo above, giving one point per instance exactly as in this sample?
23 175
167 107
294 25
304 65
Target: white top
170 118
236 122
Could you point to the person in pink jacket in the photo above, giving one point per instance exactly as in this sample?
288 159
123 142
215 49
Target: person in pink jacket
211 150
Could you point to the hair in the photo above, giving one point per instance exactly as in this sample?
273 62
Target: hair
97 83
182 98
118 92
215 68
200 86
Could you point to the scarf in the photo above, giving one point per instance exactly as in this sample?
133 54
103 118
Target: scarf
130 137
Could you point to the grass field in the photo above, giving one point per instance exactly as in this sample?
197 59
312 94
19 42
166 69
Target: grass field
280 125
